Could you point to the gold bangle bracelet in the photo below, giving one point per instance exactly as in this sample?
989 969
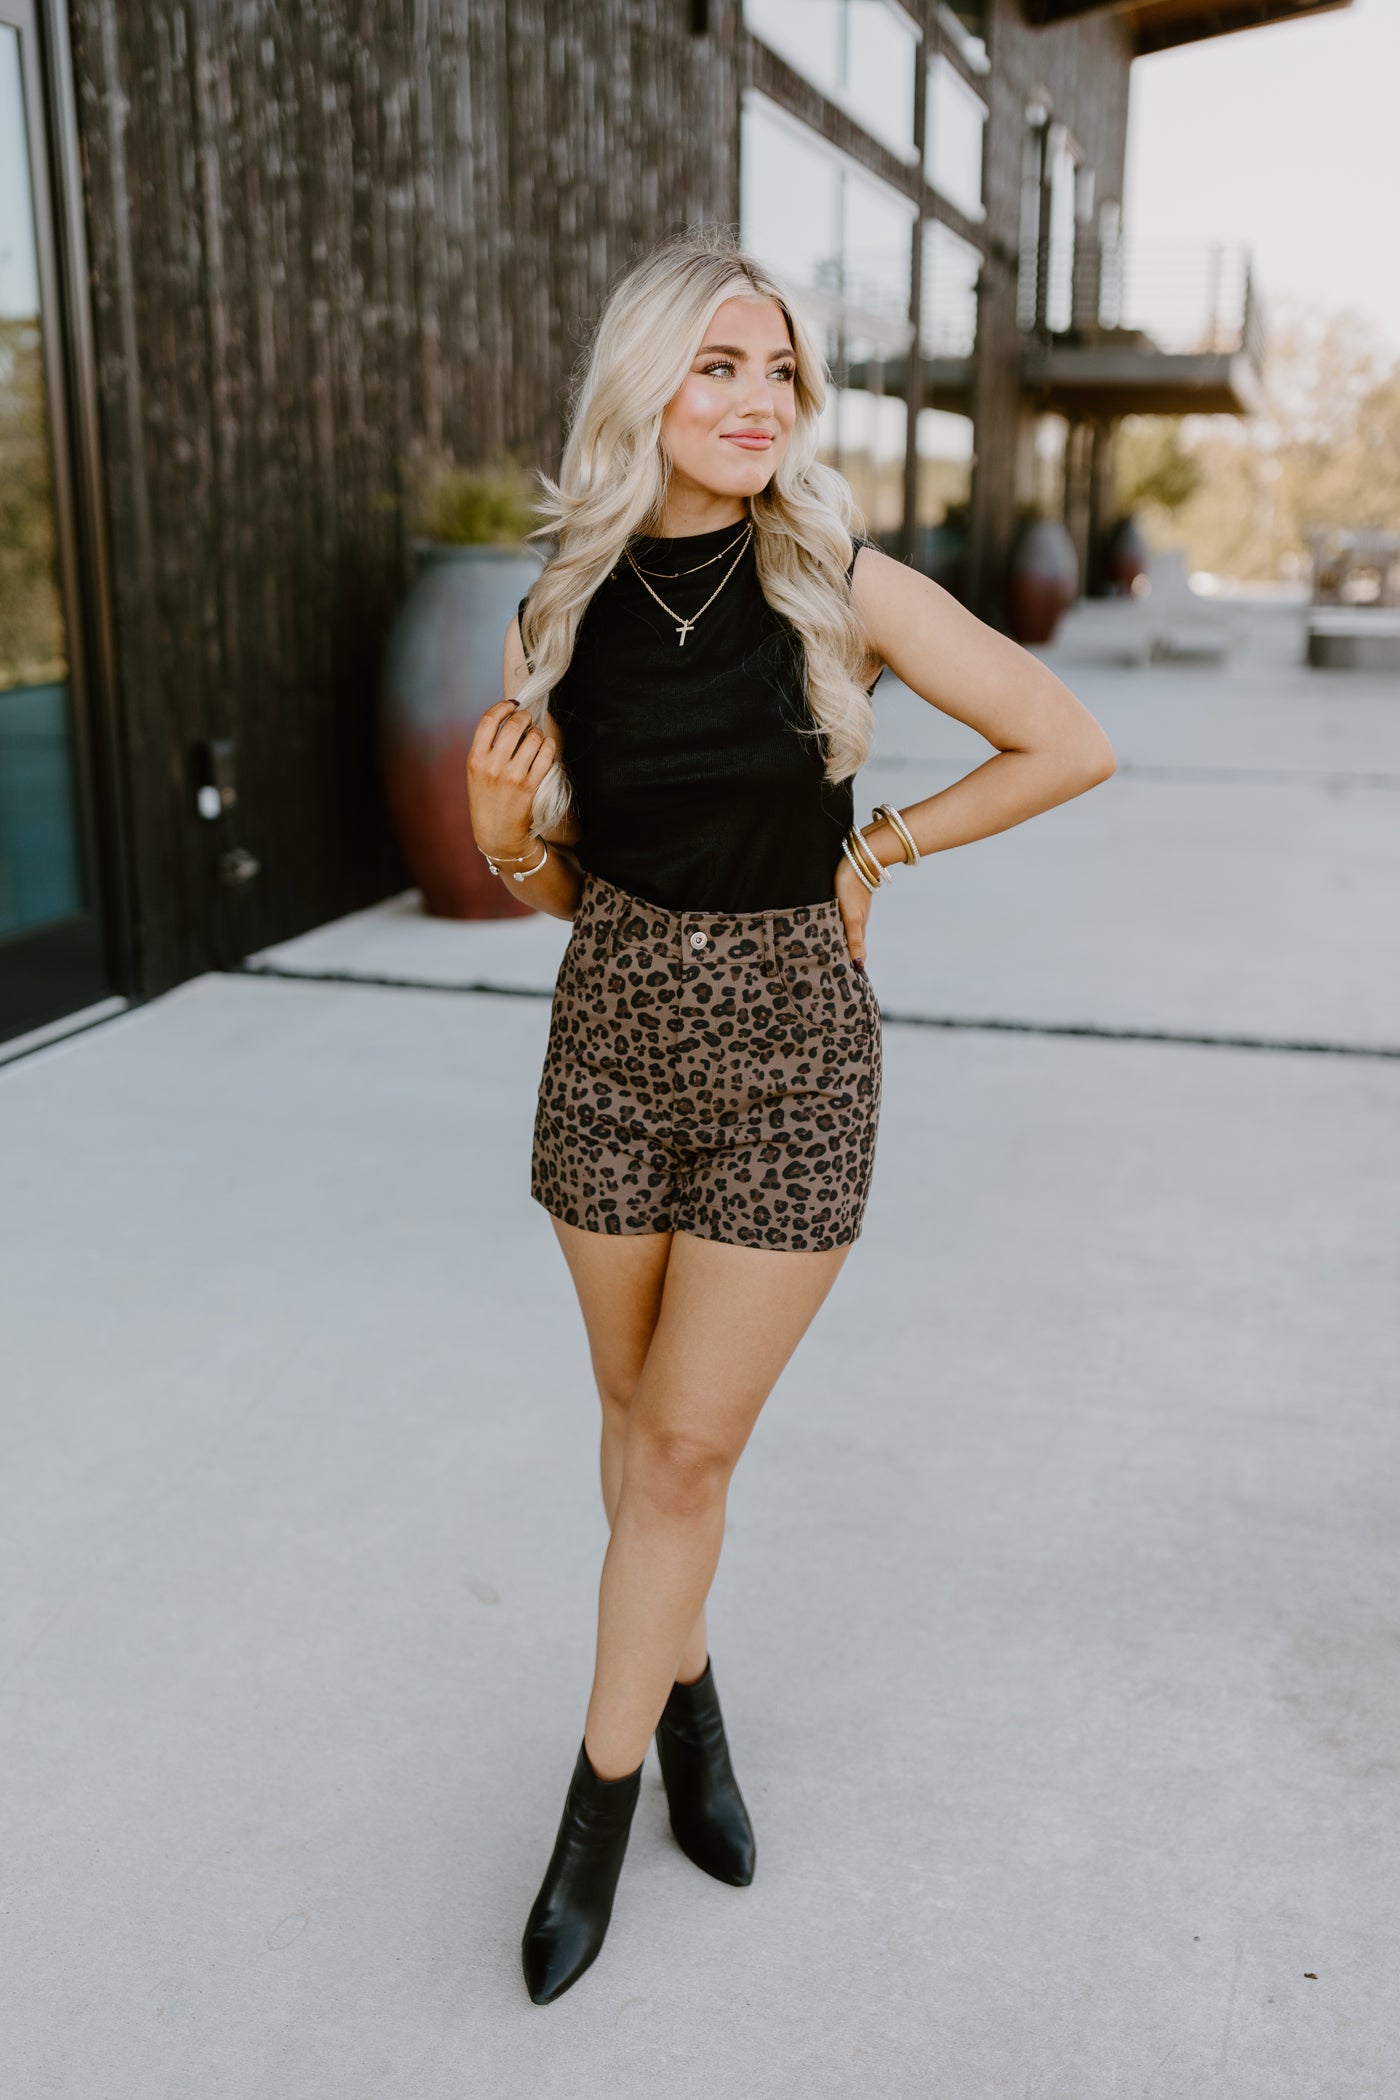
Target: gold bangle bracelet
887 813
868 854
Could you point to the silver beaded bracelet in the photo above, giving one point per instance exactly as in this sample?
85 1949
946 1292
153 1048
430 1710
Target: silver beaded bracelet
517 874
846 849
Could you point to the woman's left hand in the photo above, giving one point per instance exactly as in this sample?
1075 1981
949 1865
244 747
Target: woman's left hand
855 901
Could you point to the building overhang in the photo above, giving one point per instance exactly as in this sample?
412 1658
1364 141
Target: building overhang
1161 25
947 381
1080 380
948 384
1083 380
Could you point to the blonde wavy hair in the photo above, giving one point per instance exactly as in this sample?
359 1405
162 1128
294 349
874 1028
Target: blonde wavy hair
614 476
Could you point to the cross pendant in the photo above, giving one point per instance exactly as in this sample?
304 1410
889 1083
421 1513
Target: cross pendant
685 627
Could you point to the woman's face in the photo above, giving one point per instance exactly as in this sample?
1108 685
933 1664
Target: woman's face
726 428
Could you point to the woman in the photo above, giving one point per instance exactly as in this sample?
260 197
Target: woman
688 692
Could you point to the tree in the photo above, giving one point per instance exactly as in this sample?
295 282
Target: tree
1324 450
1150 464
31 614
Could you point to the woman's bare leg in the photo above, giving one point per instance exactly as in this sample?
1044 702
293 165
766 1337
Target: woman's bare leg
730 1318
619 1279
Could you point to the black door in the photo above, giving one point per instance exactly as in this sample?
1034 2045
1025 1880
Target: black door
55 954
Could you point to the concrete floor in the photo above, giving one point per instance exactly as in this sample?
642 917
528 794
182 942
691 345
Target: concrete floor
1058 1620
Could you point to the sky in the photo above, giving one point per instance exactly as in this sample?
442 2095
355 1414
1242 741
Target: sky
19 290
1287 139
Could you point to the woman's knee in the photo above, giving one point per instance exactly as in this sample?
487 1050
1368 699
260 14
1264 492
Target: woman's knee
617 1389
677 1473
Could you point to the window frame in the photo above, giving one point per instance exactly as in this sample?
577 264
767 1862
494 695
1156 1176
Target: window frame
907 153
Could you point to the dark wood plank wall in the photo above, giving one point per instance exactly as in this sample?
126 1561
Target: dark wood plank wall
321 235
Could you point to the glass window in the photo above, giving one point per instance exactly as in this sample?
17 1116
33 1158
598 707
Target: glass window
1110 313
882 50
790 203
953 138
877 236
948 293
1059 268
826 225
860 53
844 241
40 874
808 33
1030 289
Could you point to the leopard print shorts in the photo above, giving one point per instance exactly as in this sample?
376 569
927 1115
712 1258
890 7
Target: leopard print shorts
709 1072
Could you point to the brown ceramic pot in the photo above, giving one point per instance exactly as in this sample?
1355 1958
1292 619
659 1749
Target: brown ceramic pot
1125 555
1043 580
442 670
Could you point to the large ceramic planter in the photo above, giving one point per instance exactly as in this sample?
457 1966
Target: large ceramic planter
1043 579
942 555
1125 556
442 670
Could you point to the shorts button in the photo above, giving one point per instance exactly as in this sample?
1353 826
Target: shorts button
698 940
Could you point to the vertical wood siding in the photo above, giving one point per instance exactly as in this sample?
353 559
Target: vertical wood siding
323 235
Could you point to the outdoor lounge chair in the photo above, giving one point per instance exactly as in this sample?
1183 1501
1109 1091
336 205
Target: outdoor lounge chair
1181 625
1168 623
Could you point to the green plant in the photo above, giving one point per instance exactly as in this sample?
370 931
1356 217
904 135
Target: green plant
1031 512
1150 464
486 506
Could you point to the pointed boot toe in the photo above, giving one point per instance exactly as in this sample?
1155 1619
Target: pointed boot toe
708 1816
551 1964
569 1917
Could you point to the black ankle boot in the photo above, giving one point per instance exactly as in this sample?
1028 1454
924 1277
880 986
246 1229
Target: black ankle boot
707 1810
569 1916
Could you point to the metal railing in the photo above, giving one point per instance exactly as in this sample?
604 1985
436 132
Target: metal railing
1173 295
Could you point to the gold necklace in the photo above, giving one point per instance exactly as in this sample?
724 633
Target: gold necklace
709 564
684 626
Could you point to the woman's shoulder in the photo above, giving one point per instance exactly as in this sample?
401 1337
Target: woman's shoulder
874 661
859 540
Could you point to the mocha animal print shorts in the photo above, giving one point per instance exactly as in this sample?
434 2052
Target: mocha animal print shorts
709 1072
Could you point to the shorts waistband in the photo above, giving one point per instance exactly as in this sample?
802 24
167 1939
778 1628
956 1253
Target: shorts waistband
795 932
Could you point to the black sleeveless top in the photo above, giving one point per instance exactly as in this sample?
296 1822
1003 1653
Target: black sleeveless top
693 785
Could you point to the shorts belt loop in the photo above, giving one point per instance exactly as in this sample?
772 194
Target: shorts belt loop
613 913
777 963
772 955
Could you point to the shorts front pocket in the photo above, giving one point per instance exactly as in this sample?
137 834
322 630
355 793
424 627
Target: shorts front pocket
829 996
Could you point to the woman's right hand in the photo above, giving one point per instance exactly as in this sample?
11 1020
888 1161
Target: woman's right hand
855 901
507 761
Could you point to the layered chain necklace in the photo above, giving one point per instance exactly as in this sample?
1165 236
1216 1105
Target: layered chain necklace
707 564
684 626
